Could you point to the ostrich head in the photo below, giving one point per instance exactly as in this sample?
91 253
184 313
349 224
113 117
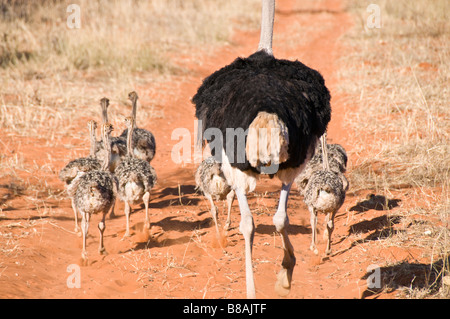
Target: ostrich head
92 125
133 97
129 122
108 127
104 103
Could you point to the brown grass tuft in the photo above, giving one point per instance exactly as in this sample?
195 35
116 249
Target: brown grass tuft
397 79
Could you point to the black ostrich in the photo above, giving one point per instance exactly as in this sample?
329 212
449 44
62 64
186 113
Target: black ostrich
283 107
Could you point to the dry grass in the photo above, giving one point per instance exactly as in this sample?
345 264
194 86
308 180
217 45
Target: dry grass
400 73
50 72
397 80
116 37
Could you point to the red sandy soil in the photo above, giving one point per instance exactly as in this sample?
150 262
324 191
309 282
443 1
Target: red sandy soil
181 257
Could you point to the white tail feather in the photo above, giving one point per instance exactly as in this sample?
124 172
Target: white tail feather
267 141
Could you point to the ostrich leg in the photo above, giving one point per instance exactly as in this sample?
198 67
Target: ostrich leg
77 229
281 221
213 213
101 228
230 200
112 214
329 231
84 230
247 228
313 218
127 215
146 199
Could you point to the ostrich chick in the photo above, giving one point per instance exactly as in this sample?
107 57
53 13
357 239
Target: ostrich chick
211 181
95 192
80 165
325 192
136 178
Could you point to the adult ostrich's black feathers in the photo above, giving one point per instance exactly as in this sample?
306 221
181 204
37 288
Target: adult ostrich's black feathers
234 95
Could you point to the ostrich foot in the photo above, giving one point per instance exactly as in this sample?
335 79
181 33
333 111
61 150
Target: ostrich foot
283 283
284 278
313 248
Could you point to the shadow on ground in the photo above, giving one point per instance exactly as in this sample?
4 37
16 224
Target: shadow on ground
407 275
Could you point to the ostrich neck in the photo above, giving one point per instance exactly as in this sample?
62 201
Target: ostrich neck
93 141
267 18
107 146
130 140
133 112
323 141
104 113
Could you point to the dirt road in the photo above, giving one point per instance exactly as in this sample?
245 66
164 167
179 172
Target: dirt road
181 257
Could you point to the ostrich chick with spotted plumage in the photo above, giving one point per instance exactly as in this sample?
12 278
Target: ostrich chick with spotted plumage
285 107
80 165
136 177
325 193
95 192
211 181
